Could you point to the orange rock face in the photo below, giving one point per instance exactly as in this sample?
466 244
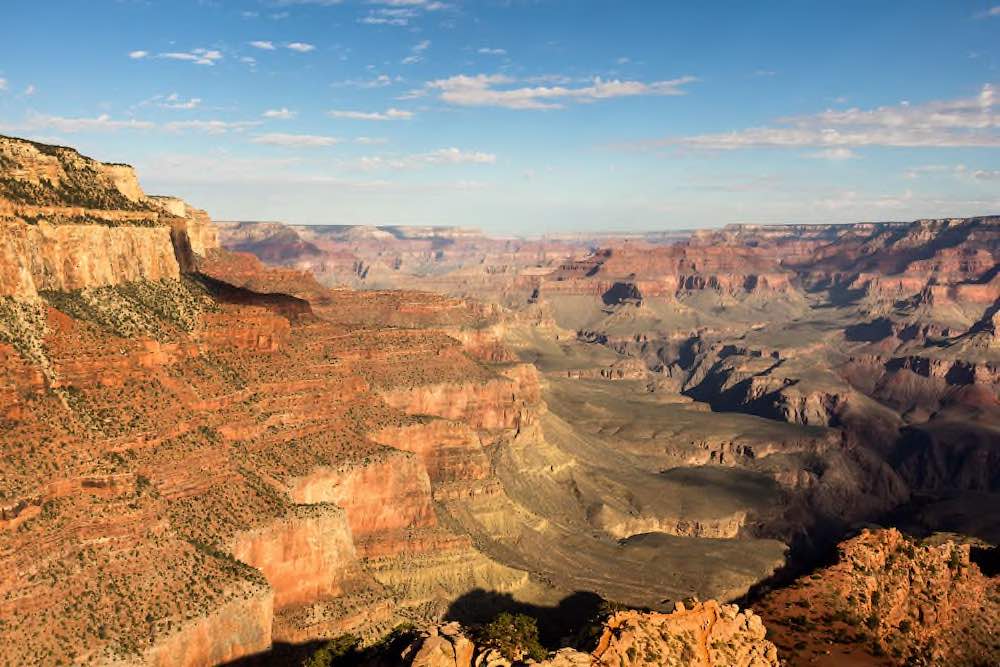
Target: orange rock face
707 634
46 257
303 557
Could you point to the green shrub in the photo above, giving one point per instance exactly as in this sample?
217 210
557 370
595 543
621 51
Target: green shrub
333 651
515 636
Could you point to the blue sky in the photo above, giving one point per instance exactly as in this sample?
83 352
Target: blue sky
523 116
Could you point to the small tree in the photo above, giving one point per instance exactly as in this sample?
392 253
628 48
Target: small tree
333 651
514 635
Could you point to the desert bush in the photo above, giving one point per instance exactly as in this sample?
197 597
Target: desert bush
515 636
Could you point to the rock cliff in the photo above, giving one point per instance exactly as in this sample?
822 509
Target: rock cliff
889 598
69 222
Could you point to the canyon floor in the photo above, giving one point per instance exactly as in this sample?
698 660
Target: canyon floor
221 439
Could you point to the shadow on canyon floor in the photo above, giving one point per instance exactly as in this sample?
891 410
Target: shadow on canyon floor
566 620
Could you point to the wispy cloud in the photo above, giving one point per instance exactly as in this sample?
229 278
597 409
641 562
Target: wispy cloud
265 45
946 123
388 114
280 114
379 81
3 84
301 47
196 56
175 101
295 140
495 90
416 53
486 51
210 126
960 171
102 123
442 156
400 12
836 154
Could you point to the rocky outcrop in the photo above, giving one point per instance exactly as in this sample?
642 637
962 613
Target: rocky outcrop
707 634
37 174
69 222
907 602
202 234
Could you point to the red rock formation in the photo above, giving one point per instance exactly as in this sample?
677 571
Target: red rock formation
891 598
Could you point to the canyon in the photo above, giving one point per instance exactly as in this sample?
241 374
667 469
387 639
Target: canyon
224 438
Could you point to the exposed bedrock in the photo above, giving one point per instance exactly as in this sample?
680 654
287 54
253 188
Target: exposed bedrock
502 403
703 635
915 603
304 556
236 629
67 257
379 496
451 451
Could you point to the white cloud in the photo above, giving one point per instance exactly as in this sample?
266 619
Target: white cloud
301 47
280 114
416 53
3 83
196 56
486 51
262 44
400 12
321 3
388 114
210 126
371 141
839 153
137 55
174 101
442 156
483 90
945 123
218 168
295 140
379 81
382 20
992 12
429 5
102 123
959 171
30 90
849 199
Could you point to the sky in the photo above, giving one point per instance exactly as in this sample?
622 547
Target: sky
523 116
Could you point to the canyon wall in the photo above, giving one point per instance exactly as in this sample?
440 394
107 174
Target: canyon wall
70 257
